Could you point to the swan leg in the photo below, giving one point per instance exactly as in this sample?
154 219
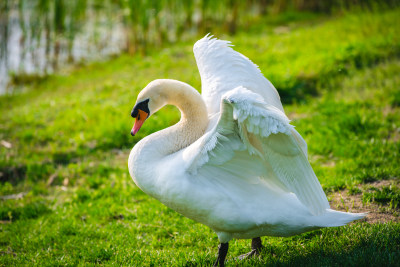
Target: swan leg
222 251
256 247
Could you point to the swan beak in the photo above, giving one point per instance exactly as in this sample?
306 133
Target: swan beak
141 117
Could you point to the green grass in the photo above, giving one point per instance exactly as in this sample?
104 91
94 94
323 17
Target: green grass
389 195
338 77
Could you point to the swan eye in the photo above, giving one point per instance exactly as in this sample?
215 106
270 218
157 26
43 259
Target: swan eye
143 105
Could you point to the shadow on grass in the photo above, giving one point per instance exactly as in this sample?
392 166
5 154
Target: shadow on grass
357 245
13 174
28 211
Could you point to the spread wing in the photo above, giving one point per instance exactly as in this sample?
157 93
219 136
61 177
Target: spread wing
247 125
222 69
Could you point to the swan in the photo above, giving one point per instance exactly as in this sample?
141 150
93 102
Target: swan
233 162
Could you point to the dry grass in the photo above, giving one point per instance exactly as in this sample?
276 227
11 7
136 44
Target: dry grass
377 213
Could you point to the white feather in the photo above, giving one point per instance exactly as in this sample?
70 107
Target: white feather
278 148
247 175
223 69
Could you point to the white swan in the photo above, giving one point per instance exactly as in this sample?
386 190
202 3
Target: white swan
233 162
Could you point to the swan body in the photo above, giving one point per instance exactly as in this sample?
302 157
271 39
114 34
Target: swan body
233 162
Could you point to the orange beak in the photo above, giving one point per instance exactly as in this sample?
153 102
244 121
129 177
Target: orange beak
141 117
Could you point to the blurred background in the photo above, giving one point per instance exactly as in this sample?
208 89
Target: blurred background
39 36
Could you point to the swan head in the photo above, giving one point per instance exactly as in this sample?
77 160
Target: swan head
150 100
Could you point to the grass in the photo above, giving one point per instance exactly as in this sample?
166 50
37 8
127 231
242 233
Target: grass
386 195
69 137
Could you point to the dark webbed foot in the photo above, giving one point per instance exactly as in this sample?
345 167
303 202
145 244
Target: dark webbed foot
256 247
222 251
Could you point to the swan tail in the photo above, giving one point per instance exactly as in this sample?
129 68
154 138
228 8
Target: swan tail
333 218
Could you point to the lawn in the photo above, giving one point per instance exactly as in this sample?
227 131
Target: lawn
66 197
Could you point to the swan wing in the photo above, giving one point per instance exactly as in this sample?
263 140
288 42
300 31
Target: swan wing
222 69
248 124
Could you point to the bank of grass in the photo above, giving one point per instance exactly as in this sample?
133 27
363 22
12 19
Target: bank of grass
69 138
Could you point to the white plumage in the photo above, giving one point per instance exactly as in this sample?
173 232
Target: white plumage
233 162
222 69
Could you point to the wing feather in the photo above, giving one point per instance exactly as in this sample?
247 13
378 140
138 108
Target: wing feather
247 123
222 69
251 118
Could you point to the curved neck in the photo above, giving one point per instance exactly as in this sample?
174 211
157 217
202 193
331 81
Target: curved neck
193 122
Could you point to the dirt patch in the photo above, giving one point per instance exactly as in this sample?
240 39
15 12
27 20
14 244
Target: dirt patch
377 213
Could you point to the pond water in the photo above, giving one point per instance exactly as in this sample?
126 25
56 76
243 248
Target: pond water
33 42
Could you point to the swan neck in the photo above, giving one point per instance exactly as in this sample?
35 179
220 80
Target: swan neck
193 122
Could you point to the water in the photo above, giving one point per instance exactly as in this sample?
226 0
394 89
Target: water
34 43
